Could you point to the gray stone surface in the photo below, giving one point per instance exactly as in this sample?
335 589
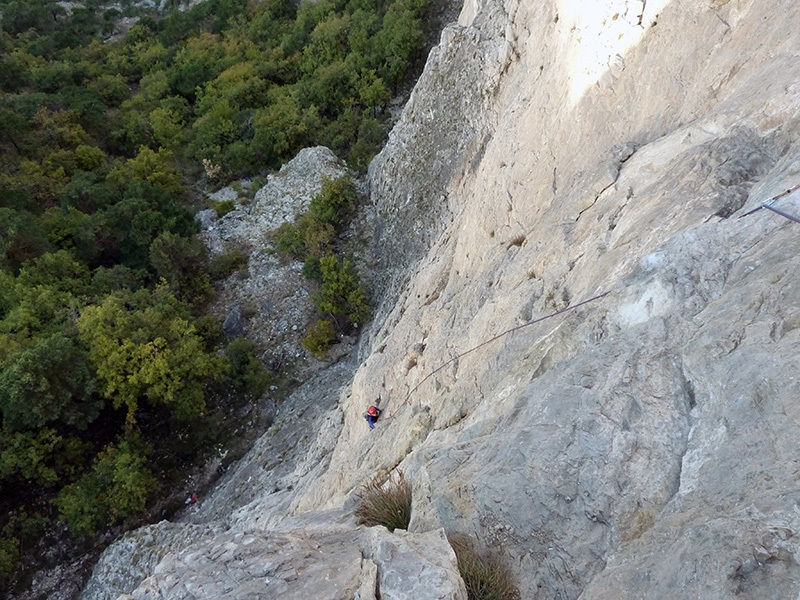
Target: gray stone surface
443 131
625 449
135 556
415 566
335 561
206 217
260 565
233 325
224 194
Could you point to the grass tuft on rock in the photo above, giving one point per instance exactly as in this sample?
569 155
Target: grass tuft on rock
484 575
385 502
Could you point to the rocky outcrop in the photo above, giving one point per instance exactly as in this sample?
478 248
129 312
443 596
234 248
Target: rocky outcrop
315 561
137 554
269 300
641 445
284 196
339 562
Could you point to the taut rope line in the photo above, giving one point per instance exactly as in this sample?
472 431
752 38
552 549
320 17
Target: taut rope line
489 341
768 204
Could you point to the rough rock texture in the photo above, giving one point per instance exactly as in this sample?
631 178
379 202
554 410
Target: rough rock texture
643 445
283 197
269 302
333 560
137 554
443 132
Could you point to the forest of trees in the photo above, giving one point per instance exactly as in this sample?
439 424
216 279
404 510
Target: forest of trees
105 350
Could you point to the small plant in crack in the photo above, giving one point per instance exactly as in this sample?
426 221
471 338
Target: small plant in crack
484 575
517 240
385 502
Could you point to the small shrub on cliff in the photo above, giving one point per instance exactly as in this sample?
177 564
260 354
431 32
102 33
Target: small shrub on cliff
223 207
305 239
485 577
386 503
335 201
312 235
289 240
341 294
227 263
319 338
247 373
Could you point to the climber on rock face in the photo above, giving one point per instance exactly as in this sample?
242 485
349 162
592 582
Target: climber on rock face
372 414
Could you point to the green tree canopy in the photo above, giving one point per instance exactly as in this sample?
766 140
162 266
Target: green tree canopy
101 275
47 383
143 346
21 239
183 263
118 486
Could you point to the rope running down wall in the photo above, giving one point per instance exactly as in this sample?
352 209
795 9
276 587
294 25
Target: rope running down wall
489 341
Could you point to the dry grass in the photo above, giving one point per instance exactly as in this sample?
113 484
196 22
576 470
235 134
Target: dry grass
517 240
385 502
485 577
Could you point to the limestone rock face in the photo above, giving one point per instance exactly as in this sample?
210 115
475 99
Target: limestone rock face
639 445
135 556
332 561
239 565
443 131
414 566
624 449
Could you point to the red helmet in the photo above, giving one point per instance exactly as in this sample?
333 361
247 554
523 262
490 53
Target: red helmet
372 411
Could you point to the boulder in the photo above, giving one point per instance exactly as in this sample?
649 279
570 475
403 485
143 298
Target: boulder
233 325
331 561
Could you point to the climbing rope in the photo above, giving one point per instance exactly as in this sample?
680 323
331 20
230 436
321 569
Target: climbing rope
768 204
489 341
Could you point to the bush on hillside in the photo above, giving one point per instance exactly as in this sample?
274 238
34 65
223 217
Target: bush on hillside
227 263
223 207
319 338
341 293
247 372
312 235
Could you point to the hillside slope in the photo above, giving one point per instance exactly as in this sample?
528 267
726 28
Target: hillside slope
641 445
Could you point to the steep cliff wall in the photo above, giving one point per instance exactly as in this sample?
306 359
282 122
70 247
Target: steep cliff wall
642 445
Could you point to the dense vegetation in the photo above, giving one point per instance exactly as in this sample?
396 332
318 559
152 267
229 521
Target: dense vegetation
108 368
